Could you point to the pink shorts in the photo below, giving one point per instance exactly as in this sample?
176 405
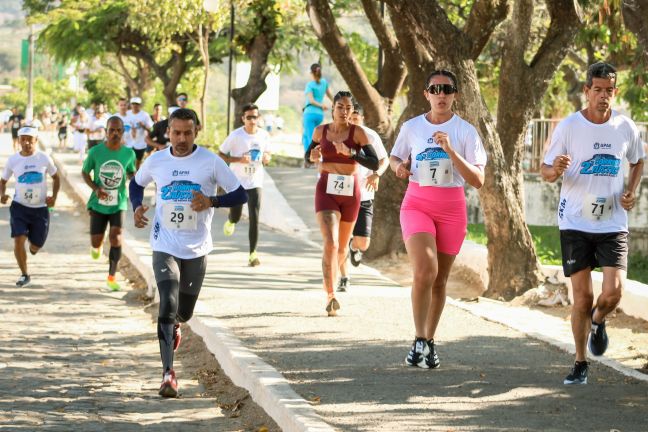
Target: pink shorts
438 211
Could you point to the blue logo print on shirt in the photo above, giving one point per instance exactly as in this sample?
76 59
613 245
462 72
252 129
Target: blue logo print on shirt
432 153
179 190
31 177
601 165
255 155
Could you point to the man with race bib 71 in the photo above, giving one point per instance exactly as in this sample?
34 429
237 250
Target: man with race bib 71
587 150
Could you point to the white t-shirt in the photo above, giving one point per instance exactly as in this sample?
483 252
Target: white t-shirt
98 128
139 141
590 196
31 181
178 230
239 143
429 159
127 128
363 172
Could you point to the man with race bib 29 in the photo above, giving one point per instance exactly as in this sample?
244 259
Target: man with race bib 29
187 177
587 150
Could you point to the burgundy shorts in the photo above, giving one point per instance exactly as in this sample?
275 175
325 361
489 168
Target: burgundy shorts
348 206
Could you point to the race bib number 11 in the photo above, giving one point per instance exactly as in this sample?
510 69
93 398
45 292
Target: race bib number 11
597 209
179 217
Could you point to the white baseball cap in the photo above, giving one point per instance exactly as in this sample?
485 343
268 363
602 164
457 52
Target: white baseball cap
172 109
136 100
28 131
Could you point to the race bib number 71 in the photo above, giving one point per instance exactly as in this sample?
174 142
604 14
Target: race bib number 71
597 209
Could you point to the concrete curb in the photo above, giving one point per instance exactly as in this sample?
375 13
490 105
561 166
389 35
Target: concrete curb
266 385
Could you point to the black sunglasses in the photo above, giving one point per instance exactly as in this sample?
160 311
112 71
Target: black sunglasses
436 89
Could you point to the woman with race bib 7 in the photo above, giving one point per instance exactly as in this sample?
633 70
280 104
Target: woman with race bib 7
341 147
438 152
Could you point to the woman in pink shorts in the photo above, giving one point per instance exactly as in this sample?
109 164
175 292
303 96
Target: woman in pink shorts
439 152
341 147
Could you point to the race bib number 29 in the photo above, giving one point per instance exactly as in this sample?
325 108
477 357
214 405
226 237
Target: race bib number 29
179 217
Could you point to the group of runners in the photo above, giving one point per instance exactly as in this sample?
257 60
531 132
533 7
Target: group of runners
437 152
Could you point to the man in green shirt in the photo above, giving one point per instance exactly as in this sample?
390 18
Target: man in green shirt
110 164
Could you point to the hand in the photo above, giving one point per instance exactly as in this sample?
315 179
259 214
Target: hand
372 182
50 201
561 163
101 194
200 202
324 107
628 200
245 159
4 198
265 159
140 220
402 170
442 139
316 154
342 149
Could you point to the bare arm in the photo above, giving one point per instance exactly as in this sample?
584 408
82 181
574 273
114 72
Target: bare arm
229 159
551 173
312 101
3 191
56 186
628 199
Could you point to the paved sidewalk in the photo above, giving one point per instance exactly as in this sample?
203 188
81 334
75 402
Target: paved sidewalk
351 367
76 356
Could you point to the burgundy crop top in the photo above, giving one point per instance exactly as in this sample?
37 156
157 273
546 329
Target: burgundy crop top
327 149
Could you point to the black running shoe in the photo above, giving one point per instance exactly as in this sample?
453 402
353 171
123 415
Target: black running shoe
355 256
432 359
23 281
598 339
343 284
578 374
417 355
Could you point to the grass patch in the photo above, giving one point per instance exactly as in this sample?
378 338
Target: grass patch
547 243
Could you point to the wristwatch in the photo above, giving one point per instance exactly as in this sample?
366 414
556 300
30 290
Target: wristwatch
353 153
214 201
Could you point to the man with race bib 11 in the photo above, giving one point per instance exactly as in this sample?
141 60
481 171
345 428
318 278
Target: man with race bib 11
587 150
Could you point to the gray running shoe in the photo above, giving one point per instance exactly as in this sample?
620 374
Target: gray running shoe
23 281
343 284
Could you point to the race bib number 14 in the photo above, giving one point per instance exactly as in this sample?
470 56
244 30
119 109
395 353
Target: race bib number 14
179 217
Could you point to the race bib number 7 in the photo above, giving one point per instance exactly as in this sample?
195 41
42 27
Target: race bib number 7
179 217
436 172
597 209
338 184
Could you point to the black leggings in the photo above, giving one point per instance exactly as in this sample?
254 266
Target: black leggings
254 206
179 282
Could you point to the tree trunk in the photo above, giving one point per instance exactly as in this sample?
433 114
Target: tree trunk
635 16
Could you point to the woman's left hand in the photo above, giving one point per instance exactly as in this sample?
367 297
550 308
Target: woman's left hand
342 149
442 139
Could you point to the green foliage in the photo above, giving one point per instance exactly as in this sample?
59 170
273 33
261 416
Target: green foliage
45 93
101 87
365 53
638 267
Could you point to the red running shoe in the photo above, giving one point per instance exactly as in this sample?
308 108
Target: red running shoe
169 386
177 337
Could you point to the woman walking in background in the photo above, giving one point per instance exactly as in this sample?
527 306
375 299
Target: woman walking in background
314 109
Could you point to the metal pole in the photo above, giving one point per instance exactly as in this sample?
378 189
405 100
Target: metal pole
380 50
29 111
231 59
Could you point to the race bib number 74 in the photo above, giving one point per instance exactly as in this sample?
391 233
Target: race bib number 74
338 184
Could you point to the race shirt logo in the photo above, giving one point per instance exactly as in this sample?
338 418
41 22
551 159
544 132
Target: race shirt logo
601 165
179 190
176 173
432 153
31 177
111 174
255 155
602 146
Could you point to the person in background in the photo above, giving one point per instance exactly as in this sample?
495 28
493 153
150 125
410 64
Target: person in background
314 108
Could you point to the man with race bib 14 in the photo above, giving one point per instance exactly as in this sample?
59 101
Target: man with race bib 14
587 150
187 177
29 215
110 163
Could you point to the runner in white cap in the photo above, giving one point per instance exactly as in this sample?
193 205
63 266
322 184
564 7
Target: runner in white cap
29 215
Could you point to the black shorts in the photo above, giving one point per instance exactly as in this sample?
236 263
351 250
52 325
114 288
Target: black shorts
139 153
14 133
99 221
581 250
30 222
362 226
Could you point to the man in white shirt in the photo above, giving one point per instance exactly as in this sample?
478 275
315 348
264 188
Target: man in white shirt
247 149
140 126
29 214
587 150
97 133
368 187
187 177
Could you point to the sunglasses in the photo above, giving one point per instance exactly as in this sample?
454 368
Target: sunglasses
251 117
436 89
182 98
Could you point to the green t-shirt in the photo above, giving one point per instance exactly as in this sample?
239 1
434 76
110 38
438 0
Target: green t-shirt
109 170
